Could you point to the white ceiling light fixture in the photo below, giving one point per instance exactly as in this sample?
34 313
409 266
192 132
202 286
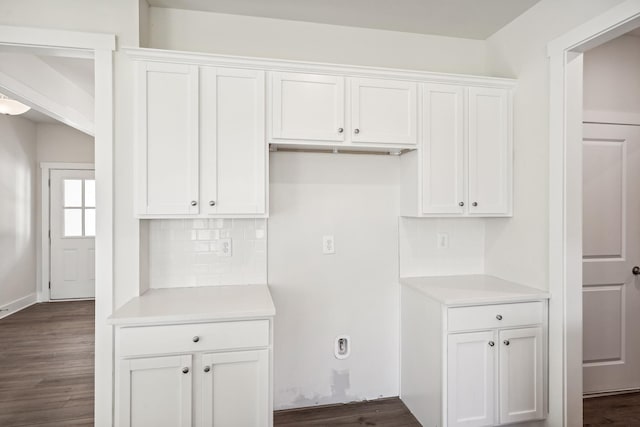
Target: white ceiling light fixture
11 106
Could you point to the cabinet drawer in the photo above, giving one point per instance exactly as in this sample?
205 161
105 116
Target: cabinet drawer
182 338
494 316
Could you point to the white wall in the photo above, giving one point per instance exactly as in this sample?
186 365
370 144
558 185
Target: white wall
611 82
274 38
420 254
353 292
17 211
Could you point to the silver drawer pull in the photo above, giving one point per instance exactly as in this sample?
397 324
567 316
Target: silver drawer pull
499 317
207 368
506 342
196 338
491 343
185 370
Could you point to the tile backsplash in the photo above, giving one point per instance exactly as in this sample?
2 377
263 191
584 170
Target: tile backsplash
207 252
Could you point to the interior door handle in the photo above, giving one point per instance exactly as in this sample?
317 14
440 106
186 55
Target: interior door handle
635 270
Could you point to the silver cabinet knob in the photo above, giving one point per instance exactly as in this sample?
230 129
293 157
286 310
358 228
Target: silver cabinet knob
635 270
212 203
474 204
499 317
207 368
461 204
340 130
196 338
194 203
506 342
491 343
185 370
356 131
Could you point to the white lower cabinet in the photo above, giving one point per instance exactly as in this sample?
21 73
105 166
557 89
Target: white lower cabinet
213 383
491 358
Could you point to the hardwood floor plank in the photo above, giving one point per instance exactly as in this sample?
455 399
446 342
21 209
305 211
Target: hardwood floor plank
618 410
47 366
390 412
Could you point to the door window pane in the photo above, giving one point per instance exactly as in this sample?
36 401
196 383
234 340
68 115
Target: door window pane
90 193
73 222
72 193
90 222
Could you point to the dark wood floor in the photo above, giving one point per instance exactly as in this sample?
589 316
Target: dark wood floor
614 411
46 366
381 413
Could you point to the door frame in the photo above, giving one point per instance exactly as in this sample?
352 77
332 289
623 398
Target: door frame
44 294
565 204
101 48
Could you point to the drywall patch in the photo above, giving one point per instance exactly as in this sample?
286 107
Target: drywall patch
340 384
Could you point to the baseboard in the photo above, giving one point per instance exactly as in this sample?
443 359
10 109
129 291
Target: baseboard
610 393
17 305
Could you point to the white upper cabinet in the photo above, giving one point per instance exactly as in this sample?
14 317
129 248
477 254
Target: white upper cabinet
232 141
464 163
490 158
443 150
384 111
167 139
307 107
201 141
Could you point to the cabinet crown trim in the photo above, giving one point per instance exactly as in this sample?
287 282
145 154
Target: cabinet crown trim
206 59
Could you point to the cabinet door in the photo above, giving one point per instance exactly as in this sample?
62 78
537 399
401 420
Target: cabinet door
236 389
167 143
154 391
307 107
384 111
470 379
443 153
232 140
490 157
521 375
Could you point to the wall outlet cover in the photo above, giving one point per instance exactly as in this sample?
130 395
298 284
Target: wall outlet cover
328 245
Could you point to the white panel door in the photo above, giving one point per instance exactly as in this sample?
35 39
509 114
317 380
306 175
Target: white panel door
384 111
443 150
521 384
72 225
236 389
307 107
232 140
490 158
471 359
167 143
155 391
611 248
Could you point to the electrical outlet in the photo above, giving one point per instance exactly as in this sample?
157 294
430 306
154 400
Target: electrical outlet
328 246
342 347
224 247
443 240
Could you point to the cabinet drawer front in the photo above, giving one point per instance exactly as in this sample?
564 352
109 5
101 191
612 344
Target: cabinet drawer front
182 338
494 316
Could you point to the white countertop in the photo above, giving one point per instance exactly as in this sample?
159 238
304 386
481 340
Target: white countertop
200 304
472 289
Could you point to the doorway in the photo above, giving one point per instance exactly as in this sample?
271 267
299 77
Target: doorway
72 231
566 201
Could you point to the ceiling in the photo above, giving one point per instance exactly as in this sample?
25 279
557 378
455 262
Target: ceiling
474 19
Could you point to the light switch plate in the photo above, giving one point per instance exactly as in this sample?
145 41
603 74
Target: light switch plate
224 247
443 240
328 245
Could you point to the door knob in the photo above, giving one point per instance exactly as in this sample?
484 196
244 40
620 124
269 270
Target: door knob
636 270
506 342
491 343
212 203
356 131
461 204
474 204
207 368
194 203
185 370
340 130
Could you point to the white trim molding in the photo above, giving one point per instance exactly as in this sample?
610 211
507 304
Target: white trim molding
565 204
17 305
45 257
48 38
